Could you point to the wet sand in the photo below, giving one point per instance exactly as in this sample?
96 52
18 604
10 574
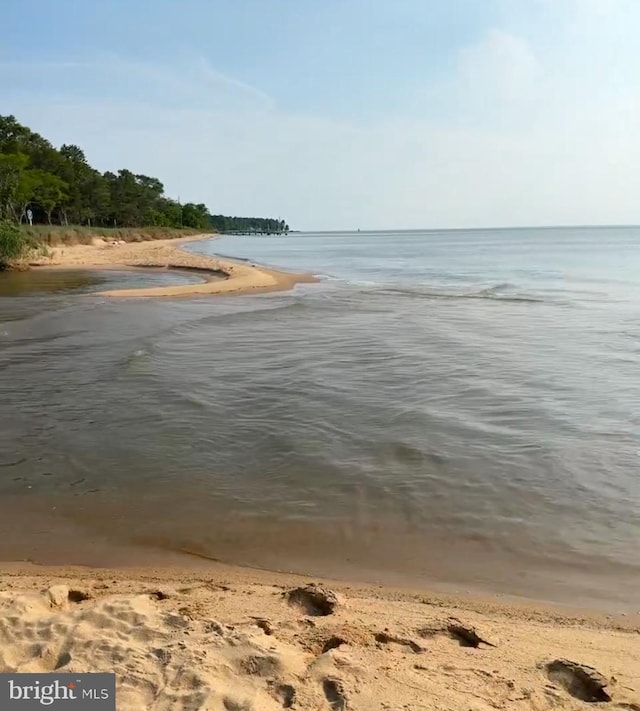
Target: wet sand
221 276
220 637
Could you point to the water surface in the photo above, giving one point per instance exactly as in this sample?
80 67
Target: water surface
452 407
37 282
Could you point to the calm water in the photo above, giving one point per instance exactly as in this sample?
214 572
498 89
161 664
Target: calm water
445 407
84 281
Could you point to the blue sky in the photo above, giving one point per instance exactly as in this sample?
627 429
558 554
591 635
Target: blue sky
345 113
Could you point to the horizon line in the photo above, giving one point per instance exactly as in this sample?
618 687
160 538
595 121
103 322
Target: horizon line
472 229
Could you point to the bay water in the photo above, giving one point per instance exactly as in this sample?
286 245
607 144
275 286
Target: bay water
444 408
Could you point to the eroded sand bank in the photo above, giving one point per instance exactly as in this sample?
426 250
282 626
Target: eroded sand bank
221 276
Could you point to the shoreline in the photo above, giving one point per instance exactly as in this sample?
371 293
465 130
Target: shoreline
221 276
208 635
221 637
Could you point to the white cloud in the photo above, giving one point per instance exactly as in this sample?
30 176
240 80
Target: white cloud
502 67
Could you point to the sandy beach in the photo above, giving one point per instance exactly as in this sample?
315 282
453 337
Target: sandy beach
220 276
224 638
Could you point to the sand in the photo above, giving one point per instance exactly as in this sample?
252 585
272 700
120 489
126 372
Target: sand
231 639
220 276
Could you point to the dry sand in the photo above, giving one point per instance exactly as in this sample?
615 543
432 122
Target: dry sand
229 639
221 276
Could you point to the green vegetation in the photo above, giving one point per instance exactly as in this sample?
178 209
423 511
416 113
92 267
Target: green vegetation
58 235
248 225
58 186
14 243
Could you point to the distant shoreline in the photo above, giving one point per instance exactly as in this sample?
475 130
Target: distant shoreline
222 276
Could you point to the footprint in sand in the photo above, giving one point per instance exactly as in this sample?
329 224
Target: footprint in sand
582 682
285 694
386 638
314 600
335 694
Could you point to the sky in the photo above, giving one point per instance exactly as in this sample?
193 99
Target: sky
345 114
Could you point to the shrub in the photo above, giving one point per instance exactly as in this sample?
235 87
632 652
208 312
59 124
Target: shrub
14 244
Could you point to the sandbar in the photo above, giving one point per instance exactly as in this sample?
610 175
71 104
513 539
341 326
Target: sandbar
220 276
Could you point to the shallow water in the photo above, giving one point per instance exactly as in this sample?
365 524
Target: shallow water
448 407
37 282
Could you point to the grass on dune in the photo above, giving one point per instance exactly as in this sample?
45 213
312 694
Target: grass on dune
55 236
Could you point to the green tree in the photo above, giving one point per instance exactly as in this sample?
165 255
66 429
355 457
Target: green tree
74 154
196 216
170 212
79 177
24 194
13 136
12 167
96 199
49 192
222 223
124 199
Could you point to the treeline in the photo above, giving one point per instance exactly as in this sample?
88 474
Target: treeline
222 223
46 185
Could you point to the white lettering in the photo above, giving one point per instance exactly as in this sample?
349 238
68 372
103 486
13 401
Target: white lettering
15 692
46 695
